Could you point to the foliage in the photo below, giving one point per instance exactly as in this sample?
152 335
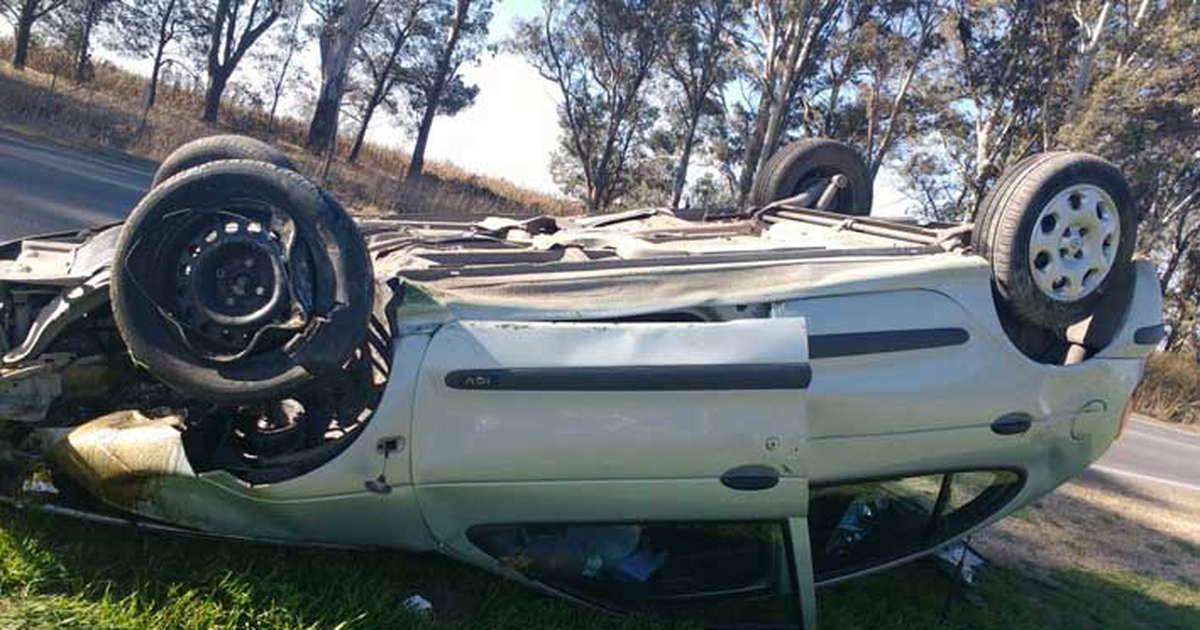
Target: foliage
1142 112
599 54
225 33
432 80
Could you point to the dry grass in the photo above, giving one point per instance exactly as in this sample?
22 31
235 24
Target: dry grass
1101 523
106 114
1171 389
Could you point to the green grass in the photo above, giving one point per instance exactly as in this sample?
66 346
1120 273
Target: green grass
57 573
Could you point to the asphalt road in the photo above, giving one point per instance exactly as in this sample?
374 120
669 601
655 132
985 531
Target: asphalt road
48 189
1153 453
45 189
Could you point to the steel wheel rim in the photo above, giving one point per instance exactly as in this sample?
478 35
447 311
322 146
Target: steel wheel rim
1074 242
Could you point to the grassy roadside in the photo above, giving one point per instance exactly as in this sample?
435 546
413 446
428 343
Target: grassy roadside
56 573
1171 389
106 116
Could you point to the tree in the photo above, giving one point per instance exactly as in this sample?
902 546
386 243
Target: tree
149 28
906 31
599 54
436 84
997 92
73 27
384 51
1142 111
341 21
778 54
700 41
230 29
279 64
24 14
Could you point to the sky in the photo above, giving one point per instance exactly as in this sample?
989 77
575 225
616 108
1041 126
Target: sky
512 129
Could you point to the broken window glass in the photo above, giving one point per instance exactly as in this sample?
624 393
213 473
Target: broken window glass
853 527
715 573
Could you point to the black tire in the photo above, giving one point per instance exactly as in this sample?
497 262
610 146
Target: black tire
326 273
216 149
1005 229
786 173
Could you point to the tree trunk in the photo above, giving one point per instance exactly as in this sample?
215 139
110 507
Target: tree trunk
797 53
212 96
361 137
1088 55
754 147
152 84
83 58
336 52
323 126
681 169
434 97
165 34
275 96
24 30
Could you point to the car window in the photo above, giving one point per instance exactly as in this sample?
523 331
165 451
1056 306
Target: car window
855 526
714 573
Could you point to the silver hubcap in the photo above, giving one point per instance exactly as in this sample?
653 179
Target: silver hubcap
1074 242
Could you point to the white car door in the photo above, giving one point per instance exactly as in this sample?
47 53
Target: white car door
634 465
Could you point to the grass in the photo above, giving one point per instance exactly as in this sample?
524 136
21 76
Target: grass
57 573
105 114
1171 389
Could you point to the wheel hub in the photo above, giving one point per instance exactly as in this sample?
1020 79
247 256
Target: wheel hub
231 282
1074 243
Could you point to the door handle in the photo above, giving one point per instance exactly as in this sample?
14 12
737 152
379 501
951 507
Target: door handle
751 477
1012 424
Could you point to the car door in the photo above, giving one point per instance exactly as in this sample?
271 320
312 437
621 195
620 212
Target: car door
637 466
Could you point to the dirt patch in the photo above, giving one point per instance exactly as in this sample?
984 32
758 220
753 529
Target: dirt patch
1098 522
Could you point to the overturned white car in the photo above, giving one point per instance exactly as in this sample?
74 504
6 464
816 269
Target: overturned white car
703 419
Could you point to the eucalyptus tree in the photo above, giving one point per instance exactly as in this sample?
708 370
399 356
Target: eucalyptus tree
279 63
74 26
599 54
24 14
149 29
778 52
1141 110
434 83
697 66
227 31
385 55
341 24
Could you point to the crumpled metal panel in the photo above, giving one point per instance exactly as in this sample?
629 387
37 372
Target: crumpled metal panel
121 458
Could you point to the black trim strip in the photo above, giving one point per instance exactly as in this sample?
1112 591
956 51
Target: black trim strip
1150 335
637 378
883 341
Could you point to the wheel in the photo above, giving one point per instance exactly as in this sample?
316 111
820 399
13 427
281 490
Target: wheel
807 162
217 148
1059 230
236 281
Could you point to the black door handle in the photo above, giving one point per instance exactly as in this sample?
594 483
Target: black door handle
1012 424
751 477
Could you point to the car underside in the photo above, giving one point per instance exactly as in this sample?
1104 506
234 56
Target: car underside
608 408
